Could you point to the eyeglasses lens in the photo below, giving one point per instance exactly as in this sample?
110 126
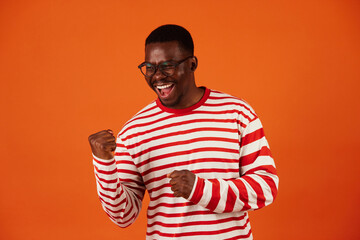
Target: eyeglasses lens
149 70
167 69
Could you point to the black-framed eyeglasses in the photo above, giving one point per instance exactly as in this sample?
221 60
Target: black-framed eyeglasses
167 68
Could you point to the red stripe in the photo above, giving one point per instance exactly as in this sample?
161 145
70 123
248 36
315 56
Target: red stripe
190 162
198 192
184 142
161 196
116 197
196 223
230 200
257 188
109 189
177 133
125 214
199 233
118 185
120 145
177 215
106 172
186 152
155 179
112 205
126 171
155 189
243 125
131 180
171 205
138 116
220 103
222 95
136 189
104 163
149 109
230 97
110 216
215 196
271 184
106 180
125 162
147 124
251 158
216 170
252 137
117 153
209 120
266 168
243 195
145 116
122 223
141 113
236 237
115 212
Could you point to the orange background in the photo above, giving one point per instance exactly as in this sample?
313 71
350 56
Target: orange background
68 69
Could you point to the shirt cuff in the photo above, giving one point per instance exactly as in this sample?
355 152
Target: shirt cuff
103 161
197 191
193 189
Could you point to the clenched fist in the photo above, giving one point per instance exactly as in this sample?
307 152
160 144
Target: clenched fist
182 183
103 144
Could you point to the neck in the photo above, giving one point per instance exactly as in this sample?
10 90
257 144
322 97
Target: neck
194 95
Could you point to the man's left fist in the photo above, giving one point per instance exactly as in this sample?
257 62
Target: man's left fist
182 183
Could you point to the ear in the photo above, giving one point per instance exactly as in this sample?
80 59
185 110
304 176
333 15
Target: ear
194 63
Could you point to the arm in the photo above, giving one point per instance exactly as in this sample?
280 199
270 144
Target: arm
119 185
255 188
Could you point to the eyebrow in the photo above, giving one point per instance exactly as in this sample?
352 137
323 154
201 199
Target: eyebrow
171 60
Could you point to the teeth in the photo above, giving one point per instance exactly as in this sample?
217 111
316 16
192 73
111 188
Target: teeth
164 86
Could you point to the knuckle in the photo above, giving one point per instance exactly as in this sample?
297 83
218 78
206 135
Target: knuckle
101 146
93 141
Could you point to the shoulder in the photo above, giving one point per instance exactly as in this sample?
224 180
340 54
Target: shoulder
227 101
141 117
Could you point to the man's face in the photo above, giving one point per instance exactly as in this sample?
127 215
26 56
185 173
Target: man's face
173 91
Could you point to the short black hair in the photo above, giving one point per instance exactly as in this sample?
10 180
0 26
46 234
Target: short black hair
171 32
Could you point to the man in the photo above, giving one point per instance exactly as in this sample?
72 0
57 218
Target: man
201 154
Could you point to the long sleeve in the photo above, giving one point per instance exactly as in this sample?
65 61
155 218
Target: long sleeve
255 188
119 186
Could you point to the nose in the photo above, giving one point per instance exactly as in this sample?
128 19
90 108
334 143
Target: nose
158 75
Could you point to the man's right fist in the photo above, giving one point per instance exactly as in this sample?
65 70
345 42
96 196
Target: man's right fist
103 144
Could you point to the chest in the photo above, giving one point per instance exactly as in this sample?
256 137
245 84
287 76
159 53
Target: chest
207 148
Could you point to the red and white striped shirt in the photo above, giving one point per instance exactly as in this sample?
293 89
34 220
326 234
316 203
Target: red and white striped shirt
220 139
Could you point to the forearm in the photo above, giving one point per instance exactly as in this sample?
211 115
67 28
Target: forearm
249 192
119 202
256 185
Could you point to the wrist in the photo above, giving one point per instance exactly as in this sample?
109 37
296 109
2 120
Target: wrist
103 156
103 159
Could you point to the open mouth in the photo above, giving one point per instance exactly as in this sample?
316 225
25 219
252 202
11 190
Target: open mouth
164 90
